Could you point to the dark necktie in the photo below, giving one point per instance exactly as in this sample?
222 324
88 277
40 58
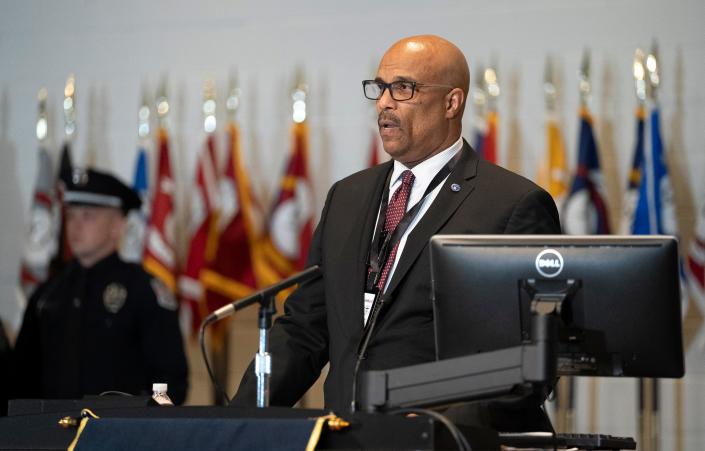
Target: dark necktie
395 211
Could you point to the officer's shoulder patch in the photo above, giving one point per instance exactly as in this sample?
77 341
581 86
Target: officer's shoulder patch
165 298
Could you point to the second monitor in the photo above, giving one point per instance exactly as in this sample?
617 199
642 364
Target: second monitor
620 296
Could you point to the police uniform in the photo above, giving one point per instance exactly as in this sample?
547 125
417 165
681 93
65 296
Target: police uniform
107 327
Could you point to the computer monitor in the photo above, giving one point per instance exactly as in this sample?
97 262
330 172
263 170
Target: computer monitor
620 311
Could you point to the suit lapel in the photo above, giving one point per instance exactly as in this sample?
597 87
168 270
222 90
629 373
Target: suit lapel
356 247
442 208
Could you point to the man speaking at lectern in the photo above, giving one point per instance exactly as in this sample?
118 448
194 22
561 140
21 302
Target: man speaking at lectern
435 177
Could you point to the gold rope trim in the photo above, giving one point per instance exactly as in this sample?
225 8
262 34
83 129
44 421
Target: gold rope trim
334 423
81 427
87 414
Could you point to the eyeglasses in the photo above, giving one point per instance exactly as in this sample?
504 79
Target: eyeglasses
400 90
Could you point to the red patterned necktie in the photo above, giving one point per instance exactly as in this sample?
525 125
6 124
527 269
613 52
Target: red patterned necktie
395 211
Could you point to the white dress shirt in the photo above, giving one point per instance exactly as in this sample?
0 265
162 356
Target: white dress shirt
424 173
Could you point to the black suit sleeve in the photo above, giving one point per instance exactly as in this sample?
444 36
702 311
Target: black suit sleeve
534 213
298 340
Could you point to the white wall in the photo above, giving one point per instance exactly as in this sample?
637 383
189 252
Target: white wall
114 48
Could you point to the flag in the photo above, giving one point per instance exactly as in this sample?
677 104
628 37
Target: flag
290 223
63 251
229 271
655 212
132 248
585 210
489 143
695 267
202 222
377 154
159 256
41 243
553 172
634 179
480 127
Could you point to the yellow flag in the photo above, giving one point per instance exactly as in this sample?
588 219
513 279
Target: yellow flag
553 172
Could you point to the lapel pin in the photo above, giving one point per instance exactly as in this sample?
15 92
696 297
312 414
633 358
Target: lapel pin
455 187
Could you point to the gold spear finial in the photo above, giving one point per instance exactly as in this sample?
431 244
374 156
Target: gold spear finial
584 78
70 108
162 103
298 97
42 122
209 120
652 65
233 102
639 72
143 116
492 85
550 92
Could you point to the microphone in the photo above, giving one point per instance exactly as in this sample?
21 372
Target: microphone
307 274
265 298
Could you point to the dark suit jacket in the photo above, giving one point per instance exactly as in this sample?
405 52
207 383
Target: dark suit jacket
323 319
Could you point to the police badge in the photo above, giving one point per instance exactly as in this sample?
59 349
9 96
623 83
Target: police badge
114 297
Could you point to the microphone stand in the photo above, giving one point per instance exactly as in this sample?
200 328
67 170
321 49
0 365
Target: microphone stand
266 300
263 359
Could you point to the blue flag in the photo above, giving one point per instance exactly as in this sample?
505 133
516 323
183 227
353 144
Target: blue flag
634 179
141 178
479 141
585 209
655 209
133 243
655 212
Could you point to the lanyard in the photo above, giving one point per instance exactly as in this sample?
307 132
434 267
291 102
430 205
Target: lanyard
383 242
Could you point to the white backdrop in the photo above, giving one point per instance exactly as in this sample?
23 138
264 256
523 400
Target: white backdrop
114 48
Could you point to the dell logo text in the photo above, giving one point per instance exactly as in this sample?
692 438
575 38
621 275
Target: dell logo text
549 263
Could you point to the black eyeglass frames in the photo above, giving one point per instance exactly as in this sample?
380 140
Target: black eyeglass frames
400 90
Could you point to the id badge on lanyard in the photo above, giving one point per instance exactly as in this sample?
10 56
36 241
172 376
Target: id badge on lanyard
382 243
369 302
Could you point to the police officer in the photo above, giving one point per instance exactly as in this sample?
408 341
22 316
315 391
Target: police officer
101 324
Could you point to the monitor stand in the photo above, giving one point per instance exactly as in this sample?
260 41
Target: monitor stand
510 372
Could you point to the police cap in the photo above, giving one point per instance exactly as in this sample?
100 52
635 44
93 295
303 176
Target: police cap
91 187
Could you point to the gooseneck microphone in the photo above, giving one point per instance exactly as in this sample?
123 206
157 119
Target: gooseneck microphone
265 298
261 296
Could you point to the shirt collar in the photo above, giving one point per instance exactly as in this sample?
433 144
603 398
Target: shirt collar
425 171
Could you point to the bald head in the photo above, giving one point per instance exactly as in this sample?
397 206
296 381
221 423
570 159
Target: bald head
435 74
444 62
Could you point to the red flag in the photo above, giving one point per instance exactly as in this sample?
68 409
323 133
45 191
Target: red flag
489 146
290 224
377 155
202 220
41 242
695 264
159 256
229 271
